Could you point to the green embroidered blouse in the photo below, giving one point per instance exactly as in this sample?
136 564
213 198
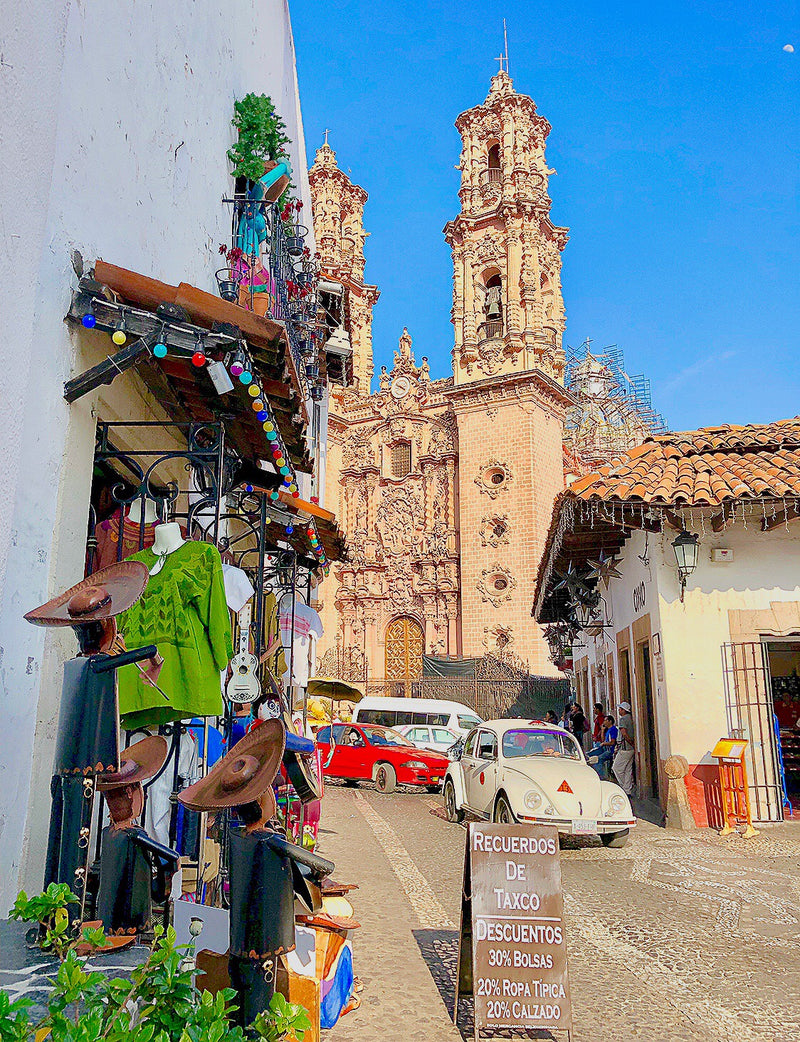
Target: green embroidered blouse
184 613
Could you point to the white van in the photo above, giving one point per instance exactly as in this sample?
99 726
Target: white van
393 712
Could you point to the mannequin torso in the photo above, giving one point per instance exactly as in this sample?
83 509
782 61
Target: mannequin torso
142 511
168 539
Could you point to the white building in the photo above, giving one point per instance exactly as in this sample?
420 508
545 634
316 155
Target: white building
115 123
722 653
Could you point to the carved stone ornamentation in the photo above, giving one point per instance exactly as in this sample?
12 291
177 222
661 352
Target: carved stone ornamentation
496 585
494 530
494 478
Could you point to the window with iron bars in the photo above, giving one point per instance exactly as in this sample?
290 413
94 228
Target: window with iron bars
401 459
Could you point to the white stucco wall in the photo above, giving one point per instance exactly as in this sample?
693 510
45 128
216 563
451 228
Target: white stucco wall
690 700
114 124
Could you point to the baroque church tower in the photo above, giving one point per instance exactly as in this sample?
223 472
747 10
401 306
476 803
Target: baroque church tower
338 212
444 488
508 368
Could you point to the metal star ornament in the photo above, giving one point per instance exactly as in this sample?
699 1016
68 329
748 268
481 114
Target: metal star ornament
604 569
571 581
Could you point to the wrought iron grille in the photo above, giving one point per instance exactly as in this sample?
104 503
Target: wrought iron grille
748 703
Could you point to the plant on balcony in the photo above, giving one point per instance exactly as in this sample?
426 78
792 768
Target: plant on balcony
261 136
230 277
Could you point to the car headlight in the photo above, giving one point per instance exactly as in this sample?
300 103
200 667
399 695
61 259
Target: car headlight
533 800
617 803
415 765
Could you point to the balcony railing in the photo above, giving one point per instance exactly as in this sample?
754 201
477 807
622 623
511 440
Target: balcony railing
491 330
279 288
492 175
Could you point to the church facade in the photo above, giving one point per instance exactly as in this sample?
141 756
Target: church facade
445 488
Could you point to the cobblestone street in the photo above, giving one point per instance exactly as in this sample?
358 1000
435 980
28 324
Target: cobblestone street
674 937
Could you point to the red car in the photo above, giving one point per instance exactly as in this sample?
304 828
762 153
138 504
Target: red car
367 752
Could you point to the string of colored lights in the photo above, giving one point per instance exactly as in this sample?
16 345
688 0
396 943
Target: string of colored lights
240 367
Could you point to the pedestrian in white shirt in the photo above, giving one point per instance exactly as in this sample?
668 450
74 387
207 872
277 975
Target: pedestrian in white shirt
625 752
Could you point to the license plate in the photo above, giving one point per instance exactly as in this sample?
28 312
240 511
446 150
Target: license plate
583 828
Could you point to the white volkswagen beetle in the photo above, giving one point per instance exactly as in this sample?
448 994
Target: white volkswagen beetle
529 771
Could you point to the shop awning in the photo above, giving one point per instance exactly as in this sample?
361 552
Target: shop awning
330 534
185 391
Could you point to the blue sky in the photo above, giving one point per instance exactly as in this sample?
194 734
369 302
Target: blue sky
676 137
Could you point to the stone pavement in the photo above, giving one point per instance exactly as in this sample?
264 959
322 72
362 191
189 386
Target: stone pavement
680 937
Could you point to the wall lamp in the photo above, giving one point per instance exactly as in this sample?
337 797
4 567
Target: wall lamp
686 554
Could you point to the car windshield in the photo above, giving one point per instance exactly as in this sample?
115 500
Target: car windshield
384 736
539 743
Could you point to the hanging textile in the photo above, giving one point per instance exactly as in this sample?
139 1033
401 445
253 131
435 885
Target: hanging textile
183 611
302 641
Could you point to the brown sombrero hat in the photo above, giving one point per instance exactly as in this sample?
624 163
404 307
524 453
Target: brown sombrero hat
137 763
97 597
243 774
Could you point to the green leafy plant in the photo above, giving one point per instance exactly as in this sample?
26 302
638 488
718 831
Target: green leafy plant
159 1003
282 1020
261 136
51 911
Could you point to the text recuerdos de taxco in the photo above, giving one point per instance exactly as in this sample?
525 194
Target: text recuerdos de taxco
519 949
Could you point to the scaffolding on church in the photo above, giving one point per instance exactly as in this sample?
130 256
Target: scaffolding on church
614 410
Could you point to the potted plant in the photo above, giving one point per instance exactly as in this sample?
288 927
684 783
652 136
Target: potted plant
229 278
261 136
295 232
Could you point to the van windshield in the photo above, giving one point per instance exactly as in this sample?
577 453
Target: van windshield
539 743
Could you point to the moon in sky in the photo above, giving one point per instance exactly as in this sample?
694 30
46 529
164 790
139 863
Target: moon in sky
789 49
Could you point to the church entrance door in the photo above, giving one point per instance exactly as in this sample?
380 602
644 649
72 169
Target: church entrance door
405 644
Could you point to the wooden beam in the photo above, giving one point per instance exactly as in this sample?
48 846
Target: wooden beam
783 517
673 520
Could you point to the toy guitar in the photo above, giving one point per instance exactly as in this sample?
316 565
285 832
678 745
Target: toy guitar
243 685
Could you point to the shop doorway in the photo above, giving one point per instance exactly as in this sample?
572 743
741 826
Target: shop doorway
750 709
648 761
783 657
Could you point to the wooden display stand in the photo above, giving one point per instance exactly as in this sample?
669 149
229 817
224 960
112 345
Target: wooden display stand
730 752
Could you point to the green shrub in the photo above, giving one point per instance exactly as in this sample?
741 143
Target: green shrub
160 1002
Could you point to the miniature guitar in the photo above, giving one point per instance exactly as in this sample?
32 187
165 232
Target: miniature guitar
243 685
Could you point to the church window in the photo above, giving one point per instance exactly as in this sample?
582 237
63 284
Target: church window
493 168
495 476
500 583
499 528
401 459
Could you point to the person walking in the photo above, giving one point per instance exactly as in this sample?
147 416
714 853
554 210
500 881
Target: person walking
623 765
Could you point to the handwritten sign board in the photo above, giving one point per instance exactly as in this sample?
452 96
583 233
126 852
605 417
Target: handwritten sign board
513 954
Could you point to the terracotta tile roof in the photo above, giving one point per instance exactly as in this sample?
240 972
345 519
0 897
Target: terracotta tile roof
713 465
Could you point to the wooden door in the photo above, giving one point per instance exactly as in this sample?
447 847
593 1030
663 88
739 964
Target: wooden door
405 643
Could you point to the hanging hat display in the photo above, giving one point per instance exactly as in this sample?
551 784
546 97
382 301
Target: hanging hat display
242 775
98 597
